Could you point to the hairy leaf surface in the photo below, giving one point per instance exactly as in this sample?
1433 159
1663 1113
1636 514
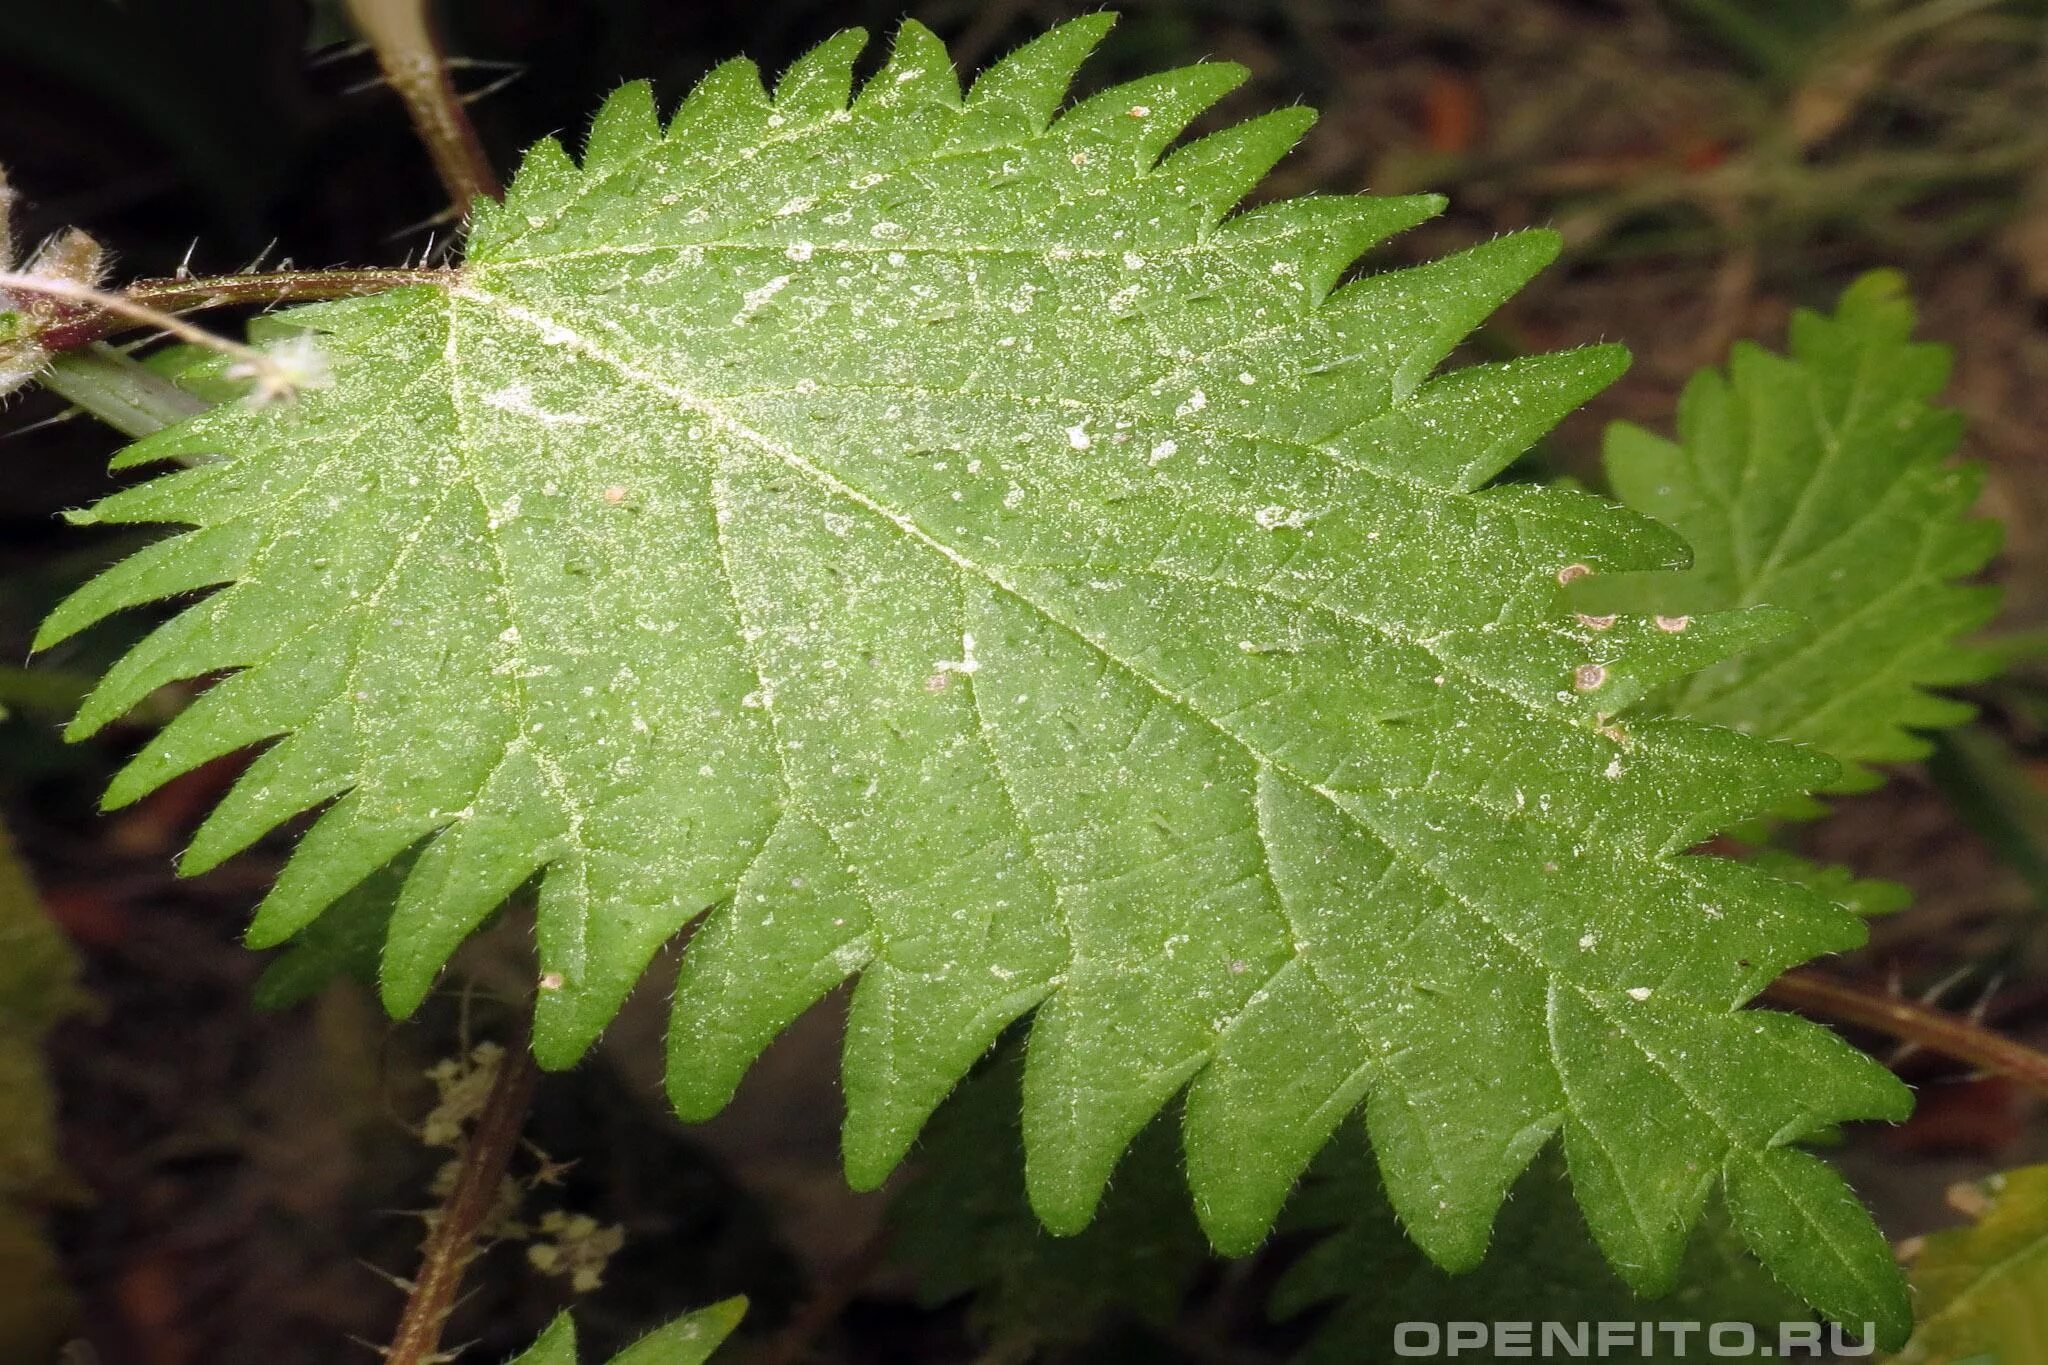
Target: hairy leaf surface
938 537
1861 896
1821 482
689 1340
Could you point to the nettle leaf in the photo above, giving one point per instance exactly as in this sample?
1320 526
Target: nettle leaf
943 541
1821 482
1863 896
1983 1289
347 940
1541 1269
689 1340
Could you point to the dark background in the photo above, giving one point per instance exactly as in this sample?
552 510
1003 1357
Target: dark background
1712 164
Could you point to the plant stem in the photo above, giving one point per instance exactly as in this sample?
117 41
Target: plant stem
451 1244
136 312
1830 997
403 37
86 322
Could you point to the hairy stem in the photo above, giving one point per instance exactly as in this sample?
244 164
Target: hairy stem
403 37
451 1244
135 311
1829 997
273 378
87 321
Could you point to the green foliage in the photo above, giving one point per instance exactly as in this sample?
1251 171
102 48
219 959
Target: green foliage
938 539
964 1226
1982 1290
38 986
1541 1267
689 1340
1863 896
1821 482
346 940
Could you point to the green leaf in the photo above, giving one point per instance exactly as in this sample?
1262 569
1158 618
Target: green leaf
1983 1289
943 541
345 941
1860 896
1541 1268
1821 482
965 1226
134 397
689 1340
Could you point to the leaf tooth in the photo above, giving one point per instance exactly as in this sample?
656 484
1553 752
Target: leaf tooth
1973 605
241 709
545 181
1286 1073
689 1340
353 838
178 564
1961 549
1695 767
1958 664
1643 1159
1222 168
1869 333
568 1019
598 949
1805 1224
1924 711
729 99
1294 1060
180 441
1445 1157
1321 237
1034 79
761 960
897 1076
294 775
920 70
1829 1080
189 645
1140 118
1780 925
820 82
1878 300
194 497
625 129
601 920
1459 430
1427 310
555 1346
509 830
1937 432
